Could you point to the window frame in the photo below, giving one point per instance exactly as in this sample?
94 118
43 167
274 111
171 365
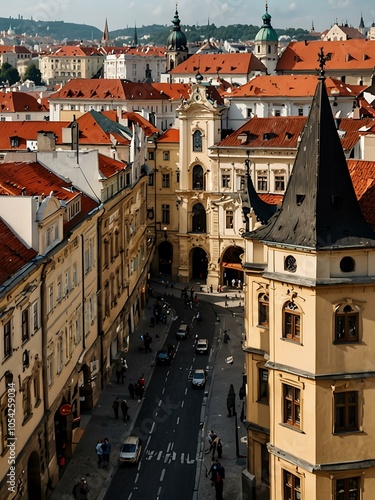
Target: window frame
7 340
342 312
197 141
346 405
347 493
291 489
290 413
229 218
263 305
165 180
225 181
165 213
25 325
292 329
263 387
262 182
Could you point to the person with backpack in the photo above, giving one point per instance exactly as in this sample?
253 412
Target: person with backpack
80 490
106 448
217 472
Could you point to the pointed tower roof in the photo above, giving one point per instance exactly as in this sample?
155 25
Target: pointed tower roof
176 39
135 39
320 208
105 37
361 22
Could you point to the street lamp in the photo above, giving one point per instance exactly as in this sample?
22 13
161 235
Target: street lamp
165 232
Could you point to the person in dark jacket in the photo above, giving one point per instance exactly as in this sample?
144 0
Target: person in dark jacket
106 447
115 407
124 409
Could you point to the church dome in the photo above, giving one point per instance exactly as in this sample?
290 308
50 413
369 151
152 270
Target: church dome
266 32
176 39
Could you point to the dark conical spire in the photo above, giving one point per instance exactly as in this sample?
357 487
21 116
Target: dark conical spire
263 210
135 39
320 208
105 37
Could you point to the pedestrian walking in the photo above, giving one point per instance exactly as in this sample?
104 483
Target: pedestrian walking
131 390
233 282
80 490
211 289
217 473
141 390
124 409
211 438
118 374
213 447
106 447
99 452
231 401
115 406
219 448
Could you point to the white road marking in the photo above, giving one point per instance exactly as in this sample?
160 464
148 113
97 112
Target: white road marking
160 455
152 427
162 475
136 478
163 391
178 420
182 404
182 457
186 391
167 455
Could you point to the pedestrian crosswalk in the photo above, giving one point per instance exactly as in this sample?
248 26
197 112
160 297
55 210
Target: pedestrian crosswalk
168 457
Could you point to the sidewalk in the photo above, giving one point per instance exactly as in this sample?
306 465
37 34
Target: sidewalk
100 422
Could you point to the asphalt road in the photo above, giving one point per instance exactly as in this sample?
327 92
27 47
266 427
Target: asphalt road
169 420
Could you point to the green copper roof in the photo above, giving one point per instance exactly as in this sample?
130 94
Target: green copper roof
266 32
176 39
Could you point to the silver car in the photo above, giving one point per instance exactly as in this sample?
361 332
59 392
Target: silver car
130 450
199 379
201 347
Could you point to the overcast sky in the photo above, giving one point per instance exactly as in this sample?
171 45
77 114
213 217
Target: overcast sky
124 13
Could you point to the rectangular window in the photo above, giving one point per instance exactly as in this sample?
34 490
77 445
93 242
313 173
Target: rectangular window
165 214
60 355
50 369
50 298
67 283
225 181
25 325
292 408
75 276
8 338
347 488
279 183
277 112
35 316
347 326
151 155
249 112
263 385
59 288
166 155
229 219
292 322
262 183
292 486
26 398
240 182
263 310
346 411
151 179
300 111
165 180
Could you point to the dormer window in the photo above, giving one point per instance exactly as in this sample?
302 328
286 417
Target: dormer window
74 208
14 141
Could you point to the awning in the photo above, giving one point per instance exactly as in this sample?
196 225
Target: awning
233 265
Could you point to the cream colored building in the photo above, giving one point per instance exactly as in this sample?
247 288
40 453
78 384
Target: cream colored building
309 315
69 62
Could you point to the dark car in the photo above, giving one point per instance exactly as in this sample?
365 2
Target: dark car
165 355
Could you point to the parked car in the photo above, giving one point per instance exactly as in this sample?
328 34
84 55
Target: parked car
199 379
165 355
182 332
201 346
130 450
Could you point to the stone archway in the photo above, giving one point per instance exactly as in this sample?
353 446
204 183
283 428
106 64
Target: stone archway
34 484
231 266
199 263
165 253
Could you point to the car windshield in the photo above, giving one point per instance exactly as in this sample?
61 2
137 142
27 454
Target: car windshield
128 448
163 354
199 376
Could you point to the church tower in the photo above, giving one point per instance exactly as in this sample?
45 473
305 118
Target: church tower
310 319
177 50
105 38
266 44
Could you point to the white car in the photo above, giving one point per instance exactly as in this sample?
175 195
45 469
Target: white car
201 347
199 379
130 450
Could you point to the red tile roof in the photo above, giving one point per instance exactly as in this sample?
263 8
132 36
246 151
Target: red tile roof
18 49
91 133
272 132
142 51
72 51
109 166
27 131
217 64
13 253
108 90
147 127
16 102
362 174
173 91
170 135
39 181
293 86
344 55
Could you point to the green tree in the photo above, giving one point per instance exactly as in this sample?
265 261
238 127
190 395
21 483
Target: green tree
33 74
9 74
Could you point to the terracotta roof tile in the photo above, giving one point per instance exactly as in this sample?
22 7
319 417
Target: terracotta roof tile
15 102
170 135
147 127
292 86
109 166
214 64
344 55
13 253
362 174
27 130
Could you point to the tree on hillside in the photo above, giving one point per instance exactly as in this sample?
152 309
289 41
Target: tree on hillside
9 74
33 74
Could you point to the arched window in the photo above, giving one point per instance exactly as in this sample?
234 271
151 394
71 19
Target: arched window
347 323
263 309
197 141
292 322
198 177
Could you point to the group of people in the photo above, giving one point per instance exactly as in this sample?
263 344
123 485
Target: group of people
217 475
103 451
121 368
